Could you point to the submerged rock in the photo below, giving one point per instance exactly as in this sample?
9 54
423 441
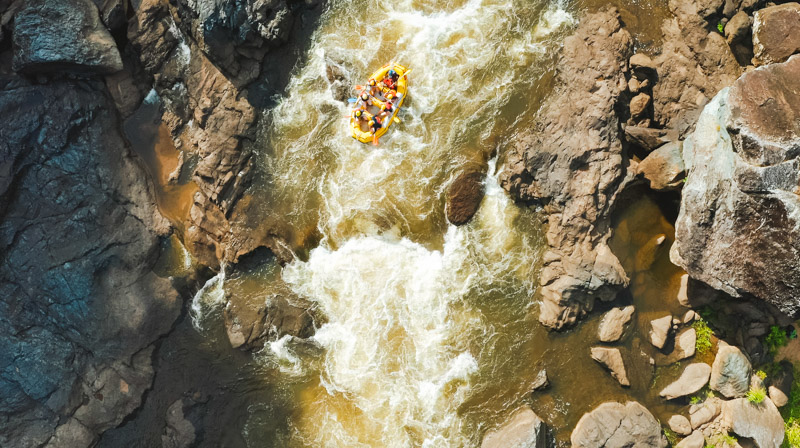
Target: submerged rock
616 425
523 430
730 373
738 229
464 197
571 162
250 325
693 378
541 381
65 35
613 324
776 33
611 359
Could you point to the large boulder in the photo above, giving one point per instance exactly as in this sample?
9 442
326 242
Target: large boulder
617 425
523 430
760 422
776 33
693 378
62 36
464 197
571 162
730 373
80 307
250 324
738 229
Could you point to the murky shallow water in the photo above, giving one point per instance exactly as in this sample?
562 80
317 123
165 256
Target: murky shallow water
433 334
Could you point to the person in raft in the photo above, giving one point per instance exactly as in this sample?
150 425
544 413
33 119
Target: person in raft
375 124
386 110
390 80
364 100
373 88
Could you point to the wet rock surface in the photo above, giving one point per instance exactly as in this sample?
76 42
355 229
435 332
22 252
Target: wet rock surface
81 307
250 325
613 324
571 162
618 425
737 227
611 359
464 197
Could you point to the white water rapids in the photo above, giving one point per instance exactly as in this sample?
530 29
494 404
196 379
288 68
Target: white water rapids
407 342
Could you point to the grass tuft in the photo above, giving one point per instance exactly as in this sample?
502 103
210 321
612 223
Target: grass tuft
704 332
775 339
756 395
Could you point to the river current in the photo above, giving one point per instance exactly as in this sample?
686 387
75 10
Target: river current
432 334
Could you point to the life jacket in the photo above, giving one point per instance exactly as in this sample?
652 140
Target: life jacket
390 83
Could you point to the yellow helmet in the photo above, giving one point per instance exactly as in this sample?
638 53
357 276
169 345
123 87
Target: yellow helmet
389 96
383 106
364 96
372 82
358 113
372 122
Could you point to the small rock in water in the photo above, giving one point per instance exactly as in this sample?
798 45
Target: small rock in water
659 331
642 65
613 324
689 316
685 345
523 429
612 360
464 197
541 380
680 425
730 373
693 378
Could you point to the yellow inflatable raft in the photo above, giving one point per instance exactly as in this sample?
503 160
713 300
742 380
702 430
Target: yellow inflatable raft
360 127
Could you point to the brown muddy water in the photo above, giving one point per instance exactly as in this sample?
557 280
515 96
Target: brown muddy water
432 335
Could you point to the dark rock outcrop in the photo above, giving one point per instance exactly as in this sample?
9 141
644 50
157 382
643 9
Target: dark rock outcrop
62 36
249 325
737 230
572 163
618 425
80 307
776 33
464 197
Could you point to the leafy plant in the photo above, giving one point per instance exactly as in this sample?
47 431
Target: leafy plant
720 28
704 333
695 400
756 395
761 374
775 339
720 440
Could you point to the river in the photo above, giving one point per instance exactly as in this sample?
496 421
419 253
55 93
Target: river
432 334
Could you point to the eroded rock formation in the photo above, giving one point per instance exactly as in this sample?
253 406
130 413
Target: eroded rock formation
572 163
738 225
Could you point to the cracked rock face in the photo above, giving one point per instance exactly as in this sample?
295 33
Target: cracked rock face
571 162
739 224
79 233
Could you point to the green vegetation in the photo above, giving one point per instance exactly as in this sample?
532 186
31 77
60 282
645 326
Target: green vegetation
792 439
703 344
761 374
720 28
721 440
791 414
672 437
775 339
702 395
756 395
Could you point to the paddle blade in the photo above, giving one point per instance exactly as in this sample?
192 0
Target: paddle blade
352 100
